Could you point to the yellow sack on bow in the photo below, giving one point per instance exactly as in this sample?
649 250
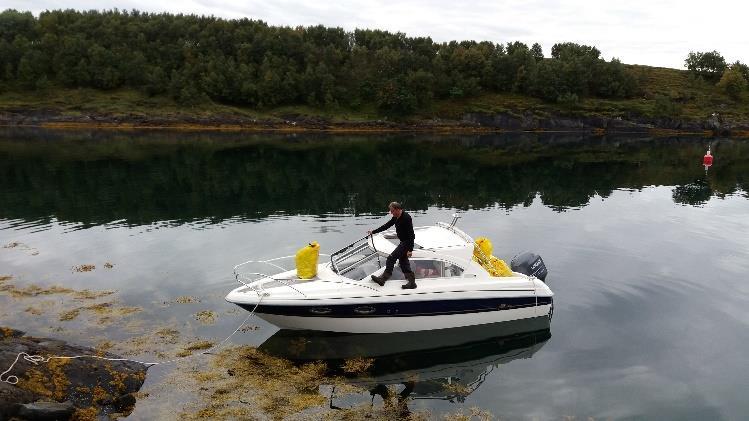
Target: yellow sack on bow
306 260
482 253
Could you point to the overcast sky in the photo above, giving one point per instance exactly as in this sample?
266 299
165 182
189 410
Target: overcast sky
652 32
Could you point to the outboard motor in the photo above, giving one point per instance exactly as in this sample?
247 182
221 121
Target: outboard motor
529 264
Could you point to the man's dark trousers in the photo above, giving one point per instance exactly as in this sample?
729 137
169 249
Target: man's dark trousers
400 255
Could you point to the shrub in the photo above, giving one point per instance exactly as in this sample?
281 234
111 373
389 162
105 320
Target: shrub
732 83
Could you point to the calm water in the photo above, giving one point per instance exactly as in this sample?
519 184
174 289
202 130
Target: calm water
647 252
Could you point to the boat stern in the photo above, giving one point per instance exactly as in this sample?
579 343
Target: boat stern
544 298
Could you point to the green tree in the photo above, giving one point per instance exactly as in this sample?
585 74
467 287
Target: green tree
66 59
104 74
156 81
394 99
612 80
741 67
7 68
546 85
537 51
31 70
14 23
568 51
420 84
708 65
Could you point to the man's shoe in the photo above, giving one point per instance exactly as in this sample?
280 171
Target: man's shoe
411 278
380 280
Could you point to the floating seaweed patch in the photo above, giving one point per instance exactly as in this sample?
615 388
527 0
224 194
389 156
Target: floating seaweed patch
249 328
21 246
108 312
36 311
206 317
186 300
87 294
32 290
134 325
359 365
168 335
243 382
84 268
103 347
195 346
36 290
473 413
153 343
68 315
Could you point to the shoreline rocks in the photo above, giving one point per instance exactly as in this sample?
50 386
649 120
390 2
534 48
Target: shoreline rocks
472 122
62 388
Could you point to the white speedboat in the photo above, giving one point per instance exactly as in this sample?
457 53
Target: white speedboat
453 289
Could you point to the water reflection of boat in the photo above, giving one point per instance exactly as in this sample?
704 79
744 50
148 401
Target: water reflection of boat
438 364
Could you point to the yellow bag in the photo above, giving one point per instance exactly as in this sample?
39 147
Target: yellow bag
500 267
482 253
306 260
482 250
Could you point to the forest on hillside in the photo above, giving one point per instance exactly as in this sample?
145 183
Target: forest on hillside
249 63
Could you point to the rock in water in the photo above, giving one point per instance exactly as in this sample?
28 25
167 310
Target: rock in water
56 389
46 410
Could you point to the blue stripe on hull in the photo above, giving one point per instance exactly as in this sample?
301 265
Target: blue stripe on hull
403 309
545 301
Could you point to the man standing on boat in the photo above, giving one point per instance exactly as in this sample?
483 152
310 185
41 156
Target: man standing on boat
404 227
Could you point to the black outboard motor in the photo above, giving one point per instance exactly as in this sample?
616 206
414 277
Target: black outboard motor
529 264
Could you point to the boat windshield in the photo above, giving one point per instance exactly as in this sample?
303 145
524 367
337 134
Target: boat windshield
364 268
358 257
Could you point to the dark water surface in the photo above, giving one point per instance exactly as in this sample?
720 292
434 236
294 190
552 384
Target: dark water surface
648 253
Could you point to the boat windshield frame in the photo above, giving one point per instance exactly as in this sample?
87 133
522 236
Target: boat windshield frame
341 261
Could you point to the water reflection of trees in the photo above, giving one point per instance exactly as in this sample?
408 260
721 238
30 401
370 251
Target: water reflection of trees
142 177
695 193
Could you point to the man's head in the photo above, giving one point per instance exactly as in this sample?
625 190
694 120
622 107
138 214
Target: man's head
395 209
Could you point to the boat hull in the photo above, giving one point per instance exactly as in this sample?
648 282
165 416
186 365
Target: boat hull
402 323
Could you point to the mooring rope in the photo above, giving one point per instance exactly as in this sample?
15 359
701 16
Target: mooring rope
37 359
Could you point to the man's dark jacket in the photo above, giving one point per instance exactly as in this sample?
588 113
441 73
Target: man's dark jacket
404 227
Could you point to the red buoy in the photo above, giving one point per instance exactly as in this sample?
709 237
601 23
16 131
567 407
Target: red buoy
707 160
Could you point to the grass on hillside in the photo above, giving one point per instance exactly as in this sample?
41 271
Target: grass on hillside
683 95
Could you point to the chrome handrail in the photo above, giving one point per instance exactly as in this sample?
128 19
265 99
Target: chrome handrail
248 278
371 240
457 231
269 262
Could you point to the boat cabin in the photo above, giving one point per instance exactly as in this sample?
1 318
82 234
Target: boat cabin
439 251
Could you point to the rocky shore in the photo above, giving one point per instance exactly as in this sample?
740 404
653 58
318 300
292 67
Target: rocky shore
469 122
63 389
